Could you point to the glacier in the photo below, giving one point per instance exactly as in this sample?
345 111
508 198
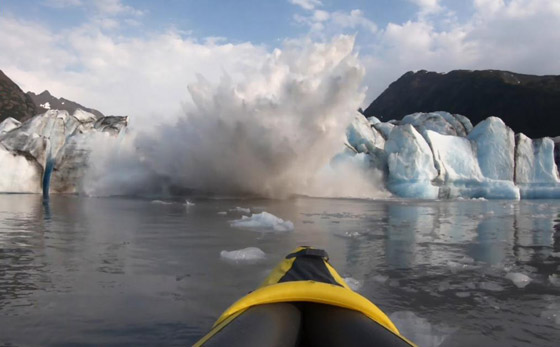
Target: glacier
439 155
49 152
436 155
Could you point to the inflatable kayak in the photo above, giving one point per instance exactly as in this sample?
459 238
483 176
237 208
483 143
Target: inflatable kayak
304 302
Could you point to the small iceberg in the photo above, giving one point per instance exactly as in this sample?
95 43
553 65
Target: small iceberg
491 286
188 203
263 220
249 254
420 330
353 283
240 210
161 202
519 279
554 280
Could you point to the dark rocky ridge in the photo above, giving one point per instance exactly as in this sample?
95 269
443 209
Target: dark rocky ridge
58 104
13 101
22 106
528 104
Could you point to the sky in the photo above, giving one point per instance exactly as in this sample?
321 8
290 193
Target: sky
128 57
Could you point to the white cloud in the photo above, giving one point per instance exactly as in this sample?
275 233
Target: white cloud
354 20
428 6
515 35
115 7
325 24
63 3
307 4
117 75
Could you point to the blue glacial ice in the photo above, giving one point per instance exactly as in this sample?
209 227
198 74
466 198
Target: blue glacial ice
441 155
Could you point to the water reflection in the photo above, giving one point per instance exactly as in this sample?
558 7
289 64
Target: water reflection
495 233
109 269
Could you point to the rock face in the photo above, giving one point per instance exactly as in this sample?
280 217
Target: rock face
441 155
49 152
527 104
14 103
45 101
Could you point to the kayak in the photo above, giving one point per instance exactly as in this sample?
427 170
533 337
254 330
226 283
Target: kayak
304 302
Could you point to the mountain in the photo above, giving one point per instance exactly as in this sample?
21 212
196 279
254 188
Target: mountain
528 104
46 101
13 101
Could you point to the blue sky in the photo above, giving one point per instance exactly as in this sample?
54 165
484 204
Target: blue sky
105 53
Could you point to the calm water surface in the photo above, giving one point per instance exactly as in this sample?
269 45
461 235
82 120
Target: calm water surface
111 272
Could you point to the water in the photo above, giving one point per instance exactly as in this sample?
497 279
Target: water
91 271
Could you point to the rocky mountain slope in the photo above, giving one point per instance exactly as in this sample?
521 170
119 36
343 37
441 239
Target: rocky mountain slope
13 101
528 104
45 101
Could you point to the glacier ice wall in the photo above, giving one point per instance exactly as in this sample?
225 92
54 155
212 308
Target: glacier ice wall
441 155
50 151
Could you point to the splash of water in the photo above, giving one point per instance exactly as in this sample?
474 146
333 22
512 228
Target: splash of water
269 133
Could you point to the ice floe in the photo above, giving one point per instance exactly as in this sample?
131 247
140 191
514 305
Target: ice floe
519 279
263 221
353 283
161 202
240 210
249 254
419 329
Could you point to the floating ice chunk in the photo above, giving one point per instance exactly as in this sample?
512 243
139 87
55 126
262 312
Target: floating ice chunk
555 254
462 294
249 254
353 283
554 280
552 313
380 278
444 286
240 210
519 279
419 329
263 220
161 202
222 213
188 203
491 286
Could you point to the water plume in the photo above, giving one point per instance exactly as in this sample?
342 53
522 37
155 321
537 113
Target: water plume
267 133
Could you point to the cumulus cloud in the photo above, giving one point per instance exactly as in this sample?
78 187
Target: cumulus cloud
63 3
117 75
115 7
99 66
510 35
324 24
306 4
428 6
